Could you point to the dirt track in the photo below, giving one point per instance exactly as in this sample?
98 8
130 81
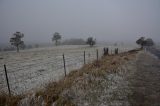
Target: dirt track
145 82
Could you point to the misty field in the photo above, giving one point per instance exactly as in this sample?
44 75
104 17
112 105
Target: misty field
32 69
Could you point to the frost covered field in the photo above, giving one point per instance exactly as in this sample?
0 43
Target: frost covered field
31 69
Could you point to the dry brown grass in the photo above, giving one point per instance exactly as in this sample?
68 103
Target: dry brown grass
97 68
6 100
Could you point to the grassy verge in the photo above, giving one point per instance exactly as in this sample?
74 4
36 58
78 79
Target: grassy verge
54 89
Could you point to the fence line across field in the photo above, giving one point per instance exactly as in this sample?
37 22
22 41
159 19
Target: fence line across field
14 68
67 61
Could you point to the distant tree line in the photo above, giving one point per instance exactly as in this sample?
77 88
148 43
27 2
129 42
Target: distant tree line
18 43
74 41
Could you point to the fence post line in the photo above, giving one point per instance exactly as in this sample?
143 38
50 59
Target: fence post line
104 51
107 51
5 69
97 54
84 57
64 65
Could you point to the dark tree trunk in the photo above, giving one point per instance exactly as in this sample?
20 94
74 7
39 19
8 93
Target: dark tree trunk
91 44
17 48
56 42
141 46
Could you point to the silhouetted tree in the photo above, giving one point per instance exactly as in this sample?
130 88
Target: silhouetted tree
148 42
56 37
140 42
145 42
16 40
91 41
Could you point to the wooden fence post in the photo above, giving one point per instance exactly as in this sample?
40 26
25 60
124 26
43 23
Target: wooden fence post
7 80
107 51
97 54
104 51
84 57
64 65
116 50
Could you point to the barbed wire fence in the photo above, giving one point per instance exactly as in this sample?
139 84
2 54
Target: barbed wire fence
17 79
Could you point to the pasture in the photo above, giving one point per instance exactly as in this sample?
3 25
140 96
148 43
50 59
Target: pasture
33 68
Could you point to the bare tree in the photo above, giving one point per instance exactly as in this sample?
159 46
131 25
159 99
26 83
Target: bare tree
56 37
91 41
16 40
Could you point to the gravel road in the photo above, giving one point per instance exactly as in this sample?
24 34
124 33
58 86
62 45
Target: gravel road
145 82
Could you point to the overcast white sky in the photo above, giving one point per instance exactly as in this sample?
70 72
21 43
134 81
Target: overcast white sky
107 20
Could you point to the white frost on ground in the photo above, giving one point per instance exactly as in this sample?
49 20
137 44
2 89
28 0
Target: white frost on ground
31 69
109 90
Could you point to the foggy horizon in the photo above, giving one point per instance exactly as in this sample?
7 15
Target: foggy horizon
105 20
